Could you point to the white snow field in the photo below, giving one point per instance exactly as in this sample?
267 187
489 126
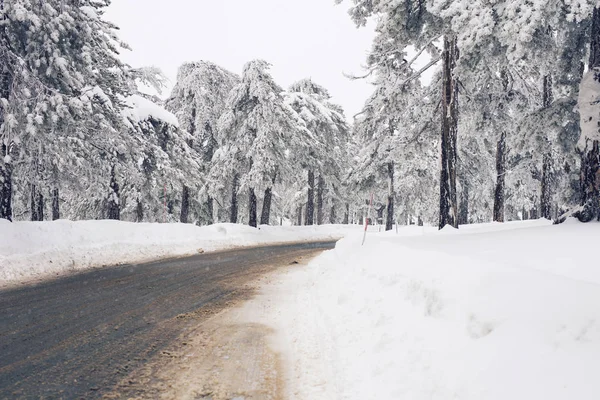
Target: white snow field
42 249
492 311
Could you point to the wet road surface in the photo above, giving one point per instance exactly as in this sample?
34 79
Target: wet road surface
77 336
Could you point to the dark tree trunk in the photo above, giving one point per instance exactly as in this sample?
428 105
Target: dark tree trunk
346 220
320 192
389 221
209 210
310 204
448 201
252 221
590 183
332 214
33 204
500 179
55 205
41 205
590 159
6 187
37 204
420 221
546 198
463 211
265 215
5 168
185 205
114 202
234 200
139 211
299 215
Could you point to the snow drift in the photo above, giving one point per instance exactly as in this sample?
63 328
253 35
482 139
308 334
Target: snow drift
39 249
493 311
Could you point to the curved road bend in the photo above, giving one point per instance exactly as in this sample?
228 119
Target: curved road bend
77 336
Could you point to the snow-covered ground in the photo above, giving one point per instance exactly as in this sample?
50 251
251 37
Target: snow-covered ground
41 249
493 311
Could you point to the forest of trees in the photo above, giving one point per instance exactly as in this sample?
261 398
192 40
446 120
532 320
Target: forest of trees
507 128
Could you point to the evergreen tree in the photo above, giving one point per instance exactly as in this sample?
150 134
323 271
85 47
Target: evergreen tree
198 99
325 158
62 90
260 138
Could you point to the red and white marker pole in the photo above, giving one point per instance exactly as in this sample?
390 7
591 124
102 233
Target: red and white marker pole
367 220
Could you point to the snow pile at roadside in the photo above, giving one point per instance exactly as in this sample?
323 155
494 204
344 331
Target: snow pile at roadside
493 311
34 249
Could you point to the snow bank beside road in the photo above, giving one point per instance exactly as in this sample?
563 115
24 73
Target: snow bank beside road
487 312
37 249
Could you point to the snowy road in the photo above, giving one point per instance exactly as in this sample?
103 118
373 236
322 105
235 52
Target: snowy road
79 336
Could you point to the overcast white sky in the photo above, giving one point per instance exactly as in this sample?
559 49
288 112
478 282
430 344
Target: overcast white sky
301 38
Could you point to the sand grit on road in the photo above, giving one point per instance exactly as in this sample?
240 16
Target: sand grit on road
222 354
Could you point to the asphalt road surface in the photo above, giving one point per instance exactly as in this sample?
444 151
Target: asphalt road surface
77 336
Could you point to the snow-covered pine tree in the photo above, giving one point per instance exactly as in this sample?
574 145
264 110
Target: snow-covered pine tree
167 166
62 88
261 138
524 37
198 99
325 159
420 25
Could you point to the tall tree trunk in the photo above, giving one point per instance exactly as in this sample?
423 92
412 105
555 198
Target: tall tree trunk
463 207
33 204
590 159
139 211
590 183
114 201
320 192
265 215
41 205
332 214
185 205
448 204
37 204
310 204
252 208
6 186
5 167
210 215
500 179
346 220
55 205
299 215
546 198
233 215
389 221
